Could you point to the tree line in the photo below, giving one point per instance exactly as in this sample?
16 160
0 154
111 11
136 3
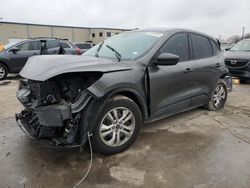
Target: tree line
234 38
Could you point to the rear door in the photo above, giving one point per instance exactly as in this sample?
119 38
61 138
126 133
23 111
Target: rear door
171 86
25 50
204 68
52 47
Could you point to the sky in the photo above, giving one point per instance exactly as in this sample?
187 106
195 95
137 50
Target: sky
215 17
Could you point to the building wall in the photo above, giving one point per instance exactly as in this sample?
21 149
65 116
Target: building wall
14 31
38 31
10 31
81 35
96 38
63 33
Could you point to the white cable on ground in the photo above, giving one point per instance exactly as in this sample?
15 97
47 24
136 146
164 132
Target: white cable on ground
90 164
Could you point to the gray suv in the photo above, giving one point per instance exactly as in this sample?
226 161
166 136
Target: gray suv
238 60
15 55
107 93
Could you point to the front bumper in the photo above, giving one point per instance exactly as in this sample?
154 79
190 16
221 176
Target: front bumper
44 122
240 73
54 125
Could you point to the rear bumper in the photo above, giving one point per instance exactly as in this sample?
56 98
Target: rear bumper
229 83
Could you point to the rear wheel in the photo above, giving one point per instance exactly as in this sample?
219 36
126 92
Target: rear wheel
218 97
3 71
117 127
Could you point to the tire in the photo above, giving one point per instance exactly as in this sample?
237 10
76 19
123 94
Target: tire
126 128
3 71
218 97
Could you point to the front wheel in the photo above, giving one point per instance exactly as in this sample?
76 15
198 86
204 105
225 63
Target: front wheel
117 127
3 71
218 97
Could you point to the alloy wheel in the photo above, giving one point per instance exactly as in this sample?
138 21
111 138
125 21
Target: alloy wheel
2 72
117 126
219 95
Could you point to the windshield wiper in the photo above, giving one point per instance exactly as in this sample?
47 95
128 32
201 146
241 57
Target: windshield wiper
98 49
117 54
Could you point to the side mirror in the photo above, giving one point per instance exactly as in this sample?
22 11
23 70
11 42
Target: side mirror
167 59
14 50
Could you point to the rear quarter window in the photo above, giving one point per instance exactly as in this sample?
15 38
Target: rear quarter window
215 46
202 47
65 45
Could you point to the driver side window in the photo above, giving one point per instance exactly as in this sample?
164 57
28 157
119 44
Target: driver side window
178 45
29 46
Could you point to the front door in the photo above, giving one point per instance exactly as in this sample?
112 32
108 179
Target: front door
171 86
19 58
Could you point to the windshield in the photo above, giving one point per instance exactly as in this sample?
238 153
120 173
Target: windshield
243 45
129 46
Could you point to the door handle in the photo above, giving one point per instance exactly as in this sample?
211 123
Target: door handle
217 65
188 70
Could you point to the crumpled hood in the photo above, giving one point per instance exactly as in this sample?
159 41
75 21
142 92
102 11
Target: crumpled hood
237 55
41 68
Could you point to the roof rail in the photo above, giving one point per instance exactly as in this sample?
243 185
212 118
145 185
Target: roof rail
48 38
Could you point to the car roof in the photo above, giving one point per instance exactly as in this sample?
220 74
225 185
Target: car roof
168 29
82 43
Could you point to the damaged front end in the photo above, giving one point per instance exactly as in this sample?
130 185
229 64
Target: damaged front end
54 108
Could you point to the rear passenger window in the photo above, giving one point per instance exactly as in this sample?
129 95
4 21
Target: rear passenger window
52 44
201 47
178 45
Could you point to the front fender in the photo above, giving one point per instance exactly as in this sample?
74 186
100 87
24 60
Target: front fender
6 63
132 81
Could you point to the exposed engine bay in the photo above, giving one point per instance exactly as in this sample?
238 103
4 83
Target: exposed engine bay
53 108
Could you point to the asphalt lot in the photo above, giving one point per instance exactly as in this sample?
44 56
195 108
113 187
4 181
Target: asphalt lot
198 149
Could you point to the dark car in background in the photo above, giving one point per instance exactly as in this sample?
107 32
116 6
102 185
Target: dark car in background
237 60
14 55
84 46
107 93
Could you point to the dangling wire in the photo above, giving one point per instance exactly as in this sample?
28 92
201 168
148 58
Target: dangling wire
90 164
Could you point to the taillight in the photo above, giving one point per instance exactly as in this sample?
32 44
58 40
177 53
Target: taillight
78 51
